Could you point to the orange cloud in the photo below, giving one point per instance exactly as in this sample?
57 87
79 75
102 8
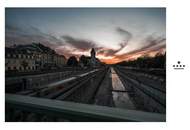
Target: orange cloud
132 56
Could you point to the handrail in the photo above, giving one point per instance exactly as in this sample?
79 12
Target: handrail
78 111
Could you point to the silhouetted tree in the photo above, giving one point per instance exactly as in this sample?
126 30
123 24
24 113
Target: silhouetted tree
158 61
83 59
72 61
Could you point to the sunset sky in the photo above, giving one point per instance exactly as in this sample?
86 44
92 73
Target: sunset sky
117 34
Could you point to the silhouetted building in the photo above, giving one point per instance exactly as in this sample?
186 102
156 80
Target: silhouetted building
90 61
93 58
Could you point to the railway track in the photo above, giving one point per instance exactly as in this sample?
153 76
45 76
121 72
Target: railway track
95 87
155 94
81 88
85 91
20 83
140 77
51 86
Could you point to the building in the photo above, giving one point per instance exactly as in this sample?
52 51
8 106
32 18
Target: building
90 61
18 60
93 57
59 60
32 57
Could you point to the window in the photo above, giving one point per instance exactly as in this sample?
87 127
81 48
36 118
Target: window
19 55
8 55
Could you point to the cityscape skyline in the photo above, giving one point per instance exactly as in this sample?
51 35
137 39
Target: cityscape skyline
117 34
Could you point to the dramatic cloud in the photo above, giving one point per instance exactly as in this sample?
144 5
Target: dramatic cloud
126 37
126 34
153 41
116 33
153 44
80 44
66 51
18 35
70 46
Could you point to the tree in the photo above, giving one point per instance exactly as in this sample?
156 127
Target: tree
83 60
158 61
72 61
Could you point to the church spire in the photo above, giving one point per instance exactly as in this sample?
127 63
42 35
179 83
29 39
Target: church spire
93 53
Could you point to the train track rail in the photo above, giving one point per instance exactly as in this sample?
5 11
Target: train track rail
66 90
158 95
72 90
54 85
85 91
153 83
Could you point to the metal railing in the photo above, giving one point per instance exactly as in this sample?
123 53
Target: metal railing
75 111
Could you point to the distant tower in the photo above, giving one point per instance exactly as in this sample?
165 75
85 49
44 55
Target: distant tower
93 57
93 53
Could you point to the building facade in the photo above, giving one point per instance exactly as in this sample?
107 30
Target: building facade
32 57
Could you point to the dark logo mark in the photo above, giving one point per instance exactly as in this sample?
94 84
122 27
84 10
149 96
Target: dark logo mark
179 65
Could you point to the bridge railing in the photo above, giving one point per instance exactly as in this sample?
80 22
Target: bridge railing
25 108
